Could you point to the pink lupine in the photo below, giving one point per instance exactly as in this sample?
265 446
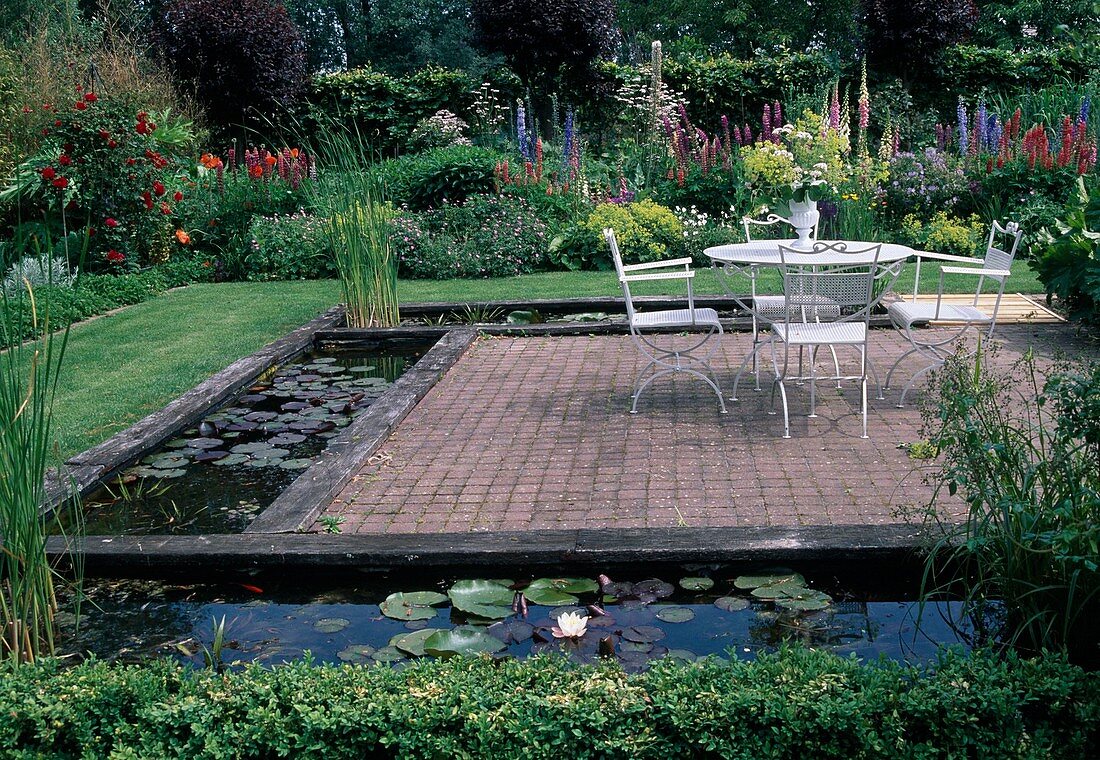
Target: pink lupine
834 109
777 114
767 124
737 136
748 135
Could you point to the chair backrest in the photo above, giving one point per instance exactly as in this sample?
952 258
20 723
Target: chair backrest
769 221
613 244
852 282
999 258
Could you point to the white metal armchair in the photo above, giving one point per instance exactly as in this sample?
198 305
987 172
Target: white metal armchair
848 283
934 345
647 326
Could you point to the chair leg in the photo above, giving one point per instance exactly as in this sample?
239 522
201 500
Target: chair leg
874 374
836 366
754 355
813 382
863 387
786 414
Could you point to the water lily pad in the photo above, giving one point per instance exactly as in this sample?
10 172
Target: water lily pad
413 643
484 598
731 603
388 654
231 460
416 605
675 614
524 317
177 443
211 455
554 592
463 640
357 653
779 591
696 584
205 443
165 461
251 448
287 439
773 578
265 462
271 453
331 625
643 633
643 647
681 655
653 587
170 474
295 464
511 631
807 600
362 368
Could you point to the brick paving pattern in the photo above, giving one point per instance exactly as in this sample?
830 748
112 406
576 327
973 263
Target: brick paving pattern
535 433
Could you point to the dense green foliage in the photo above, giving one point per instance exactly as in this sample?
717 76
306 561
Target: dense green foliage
292 247
1069 266
797 704
427 180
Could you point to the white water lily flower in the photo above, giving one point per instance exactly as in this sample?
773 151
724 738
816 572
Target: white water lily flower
571 625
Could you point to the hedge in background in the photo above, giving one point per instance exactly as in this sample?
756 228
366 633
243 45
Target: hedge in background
798 704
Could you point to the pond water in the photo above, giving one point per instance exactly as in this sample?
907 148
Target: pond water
217 476
688 613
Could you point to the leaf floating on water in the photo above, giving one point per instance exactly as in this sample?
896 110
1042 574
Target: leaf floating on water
511 631
681 655
484 598
554 592
416 605
331 625
731 603
653 587
806 600
779 591
464 640
295 464
643 633
413 643
388 654
696 584
356 653
774 578
675 614
211 455
231 460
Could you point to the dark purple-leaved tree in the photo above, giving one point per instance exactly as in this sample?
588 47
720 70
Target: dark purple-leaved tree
544 40
243 58
904 36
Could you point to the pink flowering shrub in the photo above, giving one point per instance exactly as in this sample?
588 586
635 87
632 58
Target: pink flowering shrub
487 236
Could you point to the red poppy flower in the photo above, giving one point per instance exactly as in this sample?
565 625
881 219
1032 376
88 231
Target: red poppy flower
177 196
57 123
112 144
142 128
111 222
61 183
91 97
64 160
49 173
131 161
164 209
147 198
256 172
80 105
105 134
142 116
158 188
115 257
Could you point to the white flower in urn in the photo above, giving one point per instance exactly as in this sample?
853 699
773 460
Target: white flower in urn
571 625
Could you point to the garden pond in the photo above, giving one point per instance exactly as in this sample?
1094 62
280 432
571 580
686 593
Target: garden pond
687 613
217 476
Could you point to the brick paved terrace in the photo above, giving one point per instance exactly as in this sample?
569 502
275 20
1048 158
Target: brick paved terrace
530 433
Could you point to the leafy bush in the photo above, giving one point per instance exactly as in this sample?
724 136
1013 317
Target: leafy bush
109 169
1070 266
242 57
944 233
1024 454
797 704
487 236
716 192
428 180
644 230
291 247
386 109
966 69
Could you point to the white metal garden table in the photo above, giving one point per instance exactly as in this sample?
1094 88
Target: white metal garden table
744 260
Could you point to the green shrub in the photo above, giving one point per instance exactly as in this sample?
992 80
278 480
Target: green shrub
944 233
967 69
427 180
717 192
644 230
385 109
797 704
1069 267
292 247
487 236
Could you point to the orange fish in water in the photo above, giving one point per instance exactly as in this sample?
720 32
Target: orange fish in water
253 589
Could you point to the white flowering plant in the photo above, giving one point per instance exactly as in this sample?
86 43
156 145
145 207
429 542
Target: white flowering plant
799 162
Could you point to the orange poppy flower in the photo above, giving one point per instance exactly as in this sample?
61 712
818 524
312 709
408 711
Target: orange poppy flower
256 172
183 237
270 160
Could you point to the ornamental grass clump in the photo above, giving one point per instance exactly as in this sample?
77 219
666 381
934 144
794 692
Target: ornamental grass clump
28 383
349 196
1024 455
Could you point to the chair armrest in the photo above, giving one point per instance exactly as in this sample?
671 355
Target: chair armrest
657 264
947 257
659 276
982 272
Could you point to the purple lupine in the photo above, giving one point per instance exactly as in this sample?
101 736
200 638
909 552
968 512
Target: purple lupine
521 129
726 134
941 138
993 130
767 123
980 125
964 138
232 160
737 136
777 114
1086 105
748 135
684 116
667 125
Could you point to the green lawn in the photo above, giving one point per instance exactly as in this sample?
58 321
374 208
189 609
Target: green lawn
123 366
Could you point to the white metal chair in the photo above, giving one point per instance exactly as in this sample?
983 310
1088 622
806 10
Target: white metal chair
646 326
772 308
934 345
850 285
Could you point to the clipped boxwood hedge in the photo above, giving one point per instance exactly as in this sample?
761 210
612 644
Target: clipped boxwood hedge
797 704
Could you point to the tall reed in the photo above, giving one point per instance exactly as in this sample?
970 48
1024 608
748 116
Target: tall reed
1024 455
350 197
28 385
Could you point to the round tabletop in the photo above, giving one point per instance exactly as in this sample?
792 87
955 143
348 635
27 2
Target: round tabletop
766 253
